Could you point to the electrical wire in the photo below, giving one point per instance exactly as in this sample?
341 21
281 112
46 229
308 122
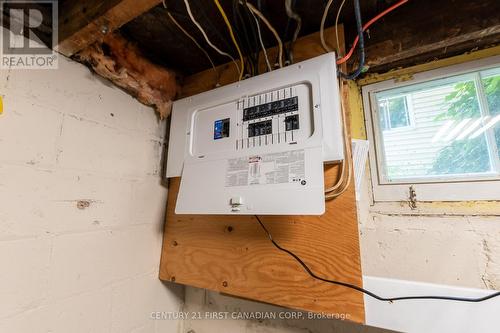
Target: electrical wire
255 39
263 47
322 27
241 35
366 26
241 26
196 43
337 27
223 13
188 8
271 28
342 183
359 27
292 15
365 291
199 7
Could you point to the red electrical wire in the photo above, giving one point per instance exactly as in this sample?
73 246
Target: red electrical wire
366 26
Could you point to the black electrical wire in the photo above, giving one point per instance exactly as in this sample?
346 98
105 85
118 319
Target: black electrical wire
298 24
240 25
367 292
255 46
248 25
287 46
359 26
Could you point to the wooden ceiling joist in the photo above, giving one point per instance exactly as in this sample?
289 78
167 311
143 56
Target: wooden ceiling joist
424 30
81 23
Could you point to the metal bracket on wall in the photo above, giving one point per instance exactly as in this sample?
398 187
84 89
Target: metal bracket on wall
412 199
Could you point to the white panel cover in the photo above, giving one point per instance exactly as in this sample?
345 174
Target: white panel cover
258 146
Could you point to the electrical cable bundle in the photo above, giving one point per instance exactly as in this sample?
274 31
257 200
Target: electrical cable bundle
188 8
181 28
272 29
230 29
359 26
344 179
365 27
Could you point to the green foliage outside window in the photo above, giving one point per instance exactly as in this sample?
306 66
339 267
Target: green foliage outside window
470 155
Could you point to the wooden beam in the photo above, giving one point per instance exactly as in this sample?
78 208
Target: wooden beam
424 30
81 23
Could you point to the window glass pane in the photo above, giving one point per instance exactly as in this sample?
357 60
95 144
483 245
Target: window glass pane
382 107
398 112
491 84
447 136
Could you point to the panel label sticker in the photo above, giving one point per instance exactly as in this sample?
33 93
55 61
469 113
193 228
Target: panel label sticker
277 168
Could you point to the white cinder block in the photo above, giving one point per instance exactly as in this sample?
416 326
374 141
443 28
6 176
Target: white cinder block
65 138
74 90
149 201
132 306
30 321
24 275
28 132
48 202
87 202
87 261
24 191
118 110
148 328
84 313
90 146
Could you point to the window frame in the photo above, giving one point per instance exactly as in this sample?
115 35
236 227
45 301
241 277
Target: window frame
482 187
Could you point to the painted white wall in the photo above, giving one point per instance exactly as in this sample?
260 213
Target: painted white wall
435 243
65 137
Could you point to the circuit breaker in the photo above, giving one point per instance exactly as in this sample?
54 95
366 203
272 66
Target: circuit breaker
258 146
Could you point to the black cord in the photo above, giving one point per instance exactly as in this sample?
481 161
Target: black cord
285 38
254 39
367 292
240 25
359 26
289 46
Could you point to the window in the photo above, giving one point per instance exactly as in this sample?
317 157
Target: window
439 132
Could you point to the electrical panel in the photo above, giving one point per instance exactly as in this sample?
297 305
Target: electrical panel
258 146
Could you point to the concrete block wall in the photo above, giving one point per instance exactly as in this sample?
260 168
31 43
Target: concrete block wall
81 206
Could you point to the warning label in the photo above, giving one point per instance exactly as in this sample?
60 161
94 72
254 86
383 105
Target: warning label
277 168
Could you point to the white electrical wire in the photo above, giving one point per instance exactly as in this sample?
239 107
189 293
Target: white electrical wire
196 43
343 182
188 8
322 27
270 27
264 51
337 27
